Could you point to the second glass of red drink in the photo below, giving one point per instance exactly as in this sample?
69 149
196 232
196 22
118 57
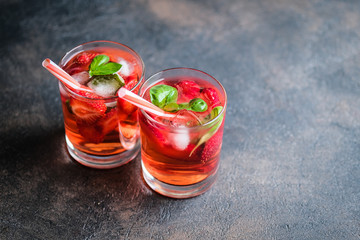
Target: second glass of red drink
180 154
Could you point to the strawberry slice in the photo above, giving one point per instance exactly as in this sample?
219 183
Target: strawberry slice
188 89
74 70
196 153
123 105
212 96
109 122
157 135
126 107
87 111
212 146
130 82
91 133
85 58
87 94
184 155
151 131
94 126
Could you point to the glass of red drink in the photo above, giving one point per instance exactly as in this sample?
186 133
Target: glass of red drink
101 130
180 155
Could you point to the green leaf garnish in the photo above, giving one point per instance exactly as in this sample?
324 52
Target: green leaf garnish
195 105
106 69
198 105
214 113
171 107
161 95
100 65
165 97
183 106
98 61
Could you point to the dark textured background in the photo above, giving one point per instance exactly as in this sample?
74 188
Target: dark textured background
291 150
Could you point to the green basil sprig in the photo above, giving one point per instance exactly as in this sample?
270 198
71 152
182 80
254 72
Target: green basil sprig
162 94
100 65
165 97
197 105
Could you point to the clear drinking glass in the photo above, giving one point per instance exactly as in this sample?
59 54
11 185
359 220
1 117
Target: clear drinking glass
180 156
101 132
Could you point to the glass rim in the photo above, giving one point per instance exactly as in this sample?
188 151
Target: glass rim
75 50
184 128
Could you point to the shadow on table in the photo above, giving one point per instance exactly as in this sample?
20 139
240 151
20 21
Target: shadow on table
42 161
45 191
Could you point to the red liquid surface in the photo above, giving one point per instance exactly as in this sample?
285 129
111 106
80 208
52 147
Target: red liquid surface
101 137
167 152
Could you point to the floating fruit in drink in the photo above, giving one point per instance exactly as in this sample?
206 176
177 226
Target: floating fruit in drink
180 153
101 130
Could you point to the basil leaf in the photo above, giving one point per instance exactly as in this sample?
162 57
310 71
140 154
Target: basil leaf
106 69
183 106
198 105
171 107
161 95
98 61
214 113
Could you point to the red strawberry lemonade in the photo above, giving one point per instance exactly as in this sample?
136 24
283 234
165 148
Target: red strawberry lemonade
101 129
180 155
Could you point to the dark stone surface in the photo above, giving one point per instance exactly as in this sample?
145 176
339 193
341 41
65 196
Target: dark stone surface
291 153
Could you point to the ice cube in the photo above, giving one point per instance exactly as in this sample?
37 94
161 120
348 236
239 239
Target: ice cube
185 118
179 140
126 68
105 85
82 77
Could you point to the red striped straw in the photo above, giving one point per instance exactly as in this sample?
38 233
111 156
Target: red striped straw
63 76
123 93
142 103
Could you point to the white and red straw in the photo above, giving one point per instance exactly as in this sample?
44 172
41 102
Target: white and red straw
63 76
142 103
123 93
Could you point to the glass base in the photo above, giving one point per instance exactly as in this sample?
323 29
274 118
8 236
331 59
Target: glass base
102 162
176 191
